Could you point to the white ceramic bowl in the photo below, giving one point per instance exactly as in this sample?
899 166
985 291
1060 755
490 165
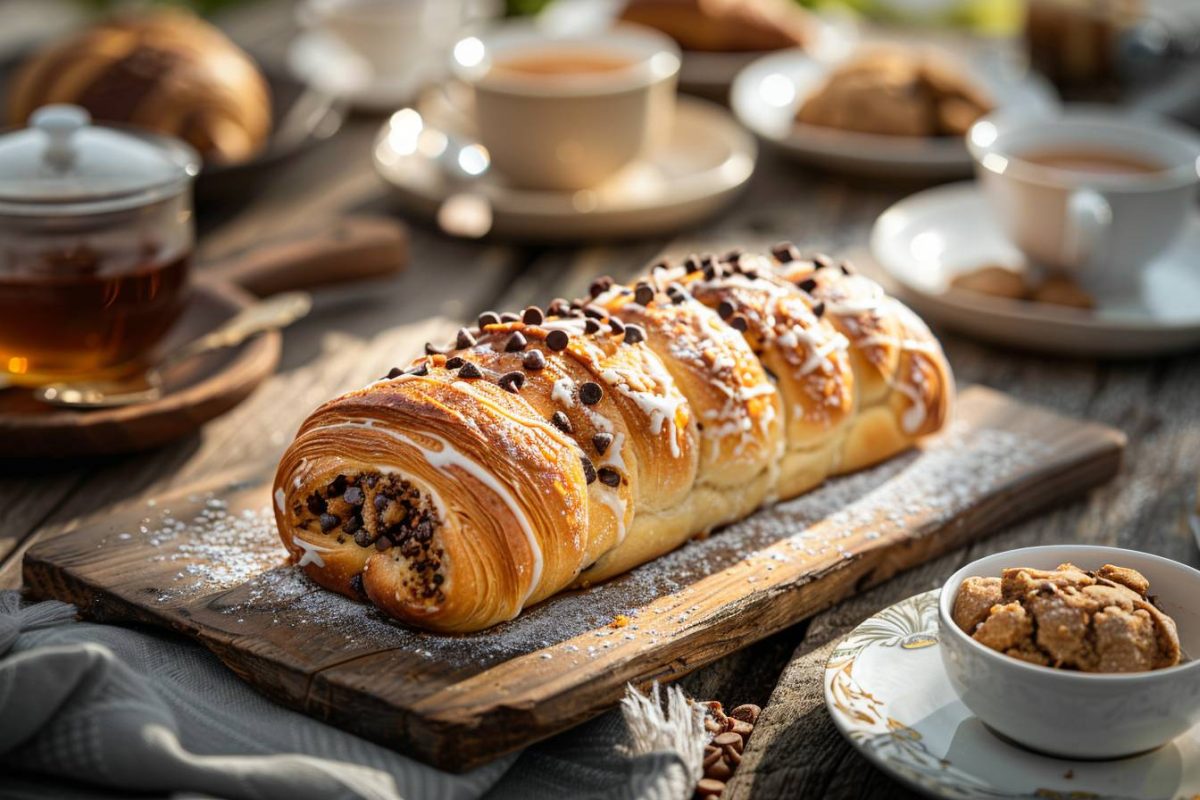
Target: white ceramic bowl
1075 714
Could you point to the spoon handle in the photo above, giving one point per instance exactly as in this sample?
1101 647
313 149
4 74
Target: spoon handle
270 314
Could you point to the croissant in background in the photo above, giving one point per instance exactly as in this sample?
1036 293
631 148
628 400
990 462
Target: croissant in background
167 71
567 445
725 25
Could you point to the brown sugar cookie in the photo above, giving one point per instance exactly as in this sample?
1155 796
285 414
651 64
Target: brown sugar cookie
1069 618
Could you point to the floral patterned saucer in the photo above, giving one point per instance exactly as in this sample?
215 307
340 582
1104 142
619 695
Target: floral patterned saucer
888 694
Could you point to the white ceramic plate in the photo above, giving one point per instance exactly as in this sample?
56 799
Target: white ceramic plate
706 161
927 238
767 93
889 695
709 74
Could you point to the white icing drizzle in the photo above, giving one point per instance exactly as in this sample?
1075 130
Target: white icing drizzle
281 501
842 299
311 553
563 392
616 504
448 456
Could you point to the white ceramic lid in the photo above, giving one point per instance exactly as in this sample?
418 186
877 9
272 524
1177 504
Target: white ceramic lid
62 163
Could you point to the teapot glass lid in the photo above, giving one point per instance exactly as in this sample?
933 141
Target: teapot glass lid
62 159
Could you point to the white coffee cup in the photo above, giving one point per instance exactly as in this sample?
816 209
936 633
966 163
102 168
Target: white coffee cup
1102 229
392 37
572 129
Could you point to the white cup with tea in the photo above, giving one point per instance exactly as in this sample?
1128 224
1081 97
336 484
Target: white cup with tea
566 111
1091 193
392 37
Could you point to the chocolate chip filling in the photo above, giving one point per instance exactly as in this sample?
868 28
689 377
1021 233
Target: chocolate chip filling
387 514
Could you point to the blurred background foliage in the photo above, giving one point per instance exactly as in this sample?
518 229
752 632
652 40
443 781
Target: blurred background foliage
995 16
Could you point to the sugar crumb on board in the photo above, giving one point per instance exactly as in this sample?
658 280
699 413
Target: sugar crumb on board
238 553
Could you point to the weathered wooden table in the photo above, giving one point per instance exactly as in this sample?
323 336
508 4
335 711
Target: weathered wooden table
357 334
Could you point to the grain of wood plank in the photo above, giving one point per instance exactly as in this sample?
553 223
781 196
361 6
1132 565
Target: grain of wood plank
458 701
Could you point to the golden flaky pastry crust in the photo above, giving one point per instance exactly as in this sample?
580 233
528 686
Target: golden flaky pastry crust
566 445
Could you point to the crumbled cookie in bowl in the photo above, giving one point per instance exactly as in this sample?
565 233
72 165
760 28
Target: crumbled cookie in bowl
1069 618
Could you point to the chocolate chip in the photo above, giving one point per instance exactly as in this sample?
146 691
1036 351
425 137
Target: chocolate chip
591 326
738 323
534 360
600 286
732 257
847 268
362 539
419 371
353 496
609 476
394 372
437 579
692 264
644 293
512 381
594 311
616 326
784 252
634 334
352 524
433 350
590 393
464 339
315 503
822 261
818 310
752 274
516 343
560 420
337 485
710 272
380 502
469 370
356 584
329 522
533 316
707 259
559 307
726 309
454 362
676 293
508 316
589 470
557 340
383 543
488 318
601 442
807 285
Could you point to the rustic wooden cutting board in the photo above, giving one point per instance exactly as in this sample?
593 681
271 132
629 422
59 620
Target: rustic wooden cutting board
207 563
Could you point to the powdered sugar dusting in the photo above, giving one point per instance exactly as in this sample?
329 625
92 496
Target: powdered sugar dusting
237 552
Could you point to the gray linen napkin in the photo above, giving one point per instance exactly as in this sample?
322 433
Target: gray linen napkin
99 711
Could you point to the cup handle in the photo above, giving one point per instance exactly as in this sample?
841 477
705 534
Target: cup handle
1089 220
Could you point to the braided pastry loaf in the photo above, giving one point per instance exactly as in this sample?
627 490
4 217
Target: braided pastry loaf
569 445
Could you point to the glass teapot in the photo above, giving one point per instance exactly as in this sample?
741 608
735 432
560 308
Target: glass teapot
96 235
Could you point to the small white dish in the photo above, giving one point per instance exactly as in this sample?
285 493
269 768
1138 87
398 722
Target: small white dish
1072 714
767 93
703 166
923 241
323 62
889 695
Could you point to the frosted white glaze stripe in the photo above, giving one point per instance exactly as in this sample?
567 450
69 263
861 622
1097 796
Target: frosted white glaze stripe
450 457
311 552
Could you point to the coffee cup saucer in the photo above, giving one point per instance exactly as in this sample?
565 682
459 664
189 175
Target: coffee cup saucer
706 160
889 695
324 63
923 241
